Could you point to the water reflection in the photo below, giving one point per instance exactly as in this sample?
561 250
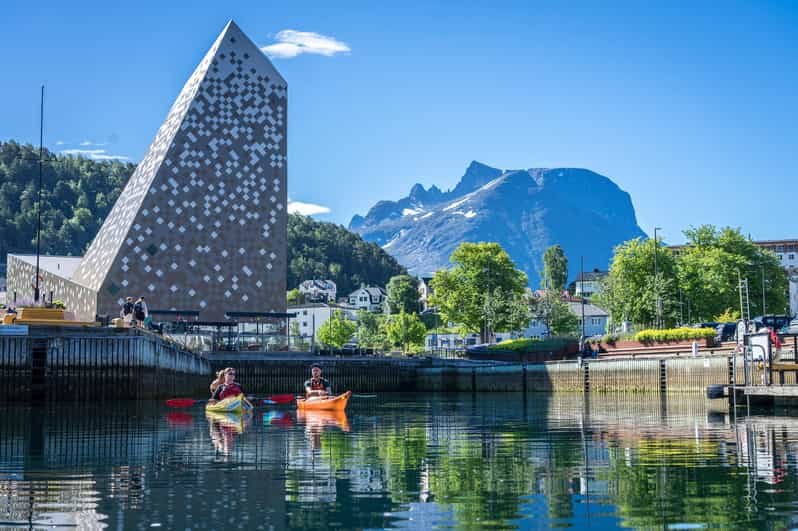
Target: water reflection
465 462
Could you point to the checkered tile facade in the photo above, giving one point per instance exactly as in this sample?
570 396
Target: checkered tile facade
201 224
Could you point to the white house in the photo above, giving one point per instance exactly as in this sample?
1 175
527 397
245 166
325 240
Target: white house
424 293
318 290
595 318
311 316
368 298
588 283
595 321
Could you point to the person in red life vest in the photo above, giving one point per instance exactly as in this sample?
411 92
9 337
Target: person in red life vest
317 386
229 387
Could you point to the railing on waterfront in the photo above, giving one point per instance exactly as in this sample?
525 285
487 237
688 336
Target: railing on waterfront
206 342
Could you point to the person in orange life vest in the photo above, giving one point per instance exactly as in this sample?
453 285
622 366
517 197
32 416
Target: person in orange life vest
229 387
317 386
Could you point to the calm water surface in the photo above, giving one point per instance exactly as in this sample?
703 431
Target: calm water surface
401 461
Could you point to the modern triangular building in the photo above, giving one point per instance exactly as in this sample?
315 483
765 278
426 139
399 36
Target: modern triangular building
201 224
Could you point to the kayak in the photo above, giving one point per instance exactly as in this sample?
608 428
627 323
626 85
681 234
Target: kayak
336 403
233 404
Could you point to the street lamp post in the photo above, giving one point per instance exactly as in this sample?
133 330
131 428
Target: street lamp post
656 280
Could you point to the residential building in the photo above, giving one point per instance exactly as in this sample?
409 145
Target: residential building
369 298
318 290
424 293
311 316
588 283
596 320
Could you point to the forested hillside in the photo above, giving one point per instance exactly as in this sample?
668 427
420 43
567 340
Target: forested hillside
78 193
327 251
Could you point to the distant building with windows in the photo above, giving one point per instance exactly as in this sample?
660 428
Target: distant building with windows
424 293
310 316
318 290
588 283
369 298
596 320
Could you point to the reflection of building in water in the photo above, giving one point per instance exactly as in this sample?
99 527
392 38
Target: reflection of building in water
50 503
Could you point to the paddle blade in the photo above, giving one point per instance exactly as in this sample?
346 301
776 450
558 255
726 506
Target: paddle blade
281 399
180 402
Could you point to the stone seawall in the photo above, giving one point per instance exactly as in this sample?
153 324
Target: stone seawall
667 375
97 364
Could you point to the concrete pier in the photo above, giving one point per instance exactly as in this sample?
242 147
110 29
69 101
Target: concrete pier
87 364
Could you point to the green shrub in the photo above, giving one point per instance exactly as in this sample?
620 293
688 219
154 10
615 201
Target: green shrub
531 344
674 334
58 303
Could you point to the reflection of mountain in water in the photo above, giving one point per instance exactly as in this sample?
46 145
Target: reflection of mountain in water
457 461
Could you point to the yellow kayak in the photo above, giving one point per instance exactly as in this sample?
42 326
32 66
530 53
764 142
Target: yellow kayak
233 404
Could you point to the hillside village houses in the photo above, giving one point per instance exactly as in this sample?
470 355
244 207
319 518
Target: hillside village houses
368 298
318 290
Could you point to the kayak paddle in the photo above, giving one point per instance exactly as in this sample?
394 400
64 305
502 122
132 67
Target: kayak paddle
178 403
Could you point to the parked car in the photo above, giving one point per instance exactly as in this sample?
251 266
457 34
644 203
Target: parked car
774 322
726 332
710 324
792 328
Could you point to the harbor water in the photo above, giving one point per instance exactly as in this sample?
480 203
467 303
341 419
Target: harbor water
402 461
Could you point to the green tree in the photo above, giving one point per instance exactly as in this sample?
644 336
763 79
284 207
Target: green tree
370 330
629 291
555 269
713 261
405 329
336 331
555 315
463 293
294 296
402 294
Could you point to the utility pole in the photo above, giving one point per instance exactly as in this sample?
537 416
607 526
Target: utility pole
656 280
37 287
764 303
582 290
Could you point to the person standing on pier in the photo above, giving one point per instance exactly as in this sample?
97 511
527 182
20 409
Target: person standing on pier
127 311
317 386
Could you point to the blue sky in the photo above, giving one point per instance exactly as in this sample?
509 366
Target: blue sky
690 107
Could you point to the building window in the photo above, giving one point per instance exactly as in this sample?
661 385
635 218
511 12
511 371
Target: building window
304 312
791 257
304 324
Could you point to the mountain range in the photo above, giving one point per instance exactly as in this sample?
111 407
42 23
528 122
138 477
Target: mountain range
525 211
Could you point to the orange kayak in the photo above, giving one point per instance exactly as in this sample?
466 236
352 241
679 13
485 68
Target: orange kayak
336 403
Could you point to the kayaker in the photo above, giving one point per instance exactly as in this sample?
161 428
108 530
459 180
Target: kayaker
229 387
317 386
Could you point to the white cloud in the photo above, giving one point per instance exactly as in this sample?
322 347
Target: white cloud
291 43
306 209
94 154
85 143
59 143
